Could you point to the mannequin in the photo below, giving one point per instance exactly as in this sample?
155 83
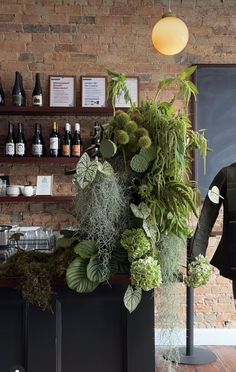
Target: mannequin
221 190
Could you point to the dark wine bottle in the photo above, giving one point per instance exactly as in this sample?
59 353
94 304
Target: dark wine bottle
18 93
54 141
22 90
38 142
66 143
20 141
2 95
77 149
37 96
10 141
59 141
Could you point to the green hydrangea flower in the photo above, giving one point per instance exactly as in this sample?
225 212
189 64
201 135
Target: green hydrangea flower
199 272
136 243
145 273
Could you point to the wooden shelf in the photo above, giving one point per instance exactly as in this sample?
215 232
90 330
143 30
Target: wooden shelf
50 111
12 282
36 199
36 160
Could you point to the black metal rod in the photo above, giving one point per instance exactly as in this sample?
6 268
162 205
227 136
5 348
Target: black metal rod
189 321
189 311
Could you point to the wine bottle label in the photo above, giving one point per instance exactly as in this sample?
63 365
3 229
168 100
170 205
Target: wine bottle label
76 150
38 100
18 100
10 149
54 143
66 150
37 149
20 149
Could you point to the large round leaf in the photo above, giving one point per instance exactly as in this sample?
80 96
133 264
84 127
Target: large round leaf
86 248
76 276
95 270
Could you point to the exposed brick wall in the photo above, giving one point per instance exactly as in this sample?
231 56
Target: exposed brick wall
87 37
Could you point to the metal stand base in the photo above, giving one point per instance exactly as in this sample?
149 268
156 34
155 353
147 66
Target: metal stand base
199 356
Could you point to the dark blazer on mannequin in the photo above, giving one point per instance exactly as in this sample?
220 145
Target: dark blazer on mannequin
221 190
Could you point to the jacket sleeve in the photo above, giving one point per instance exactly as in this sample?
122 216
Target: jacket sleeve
209 214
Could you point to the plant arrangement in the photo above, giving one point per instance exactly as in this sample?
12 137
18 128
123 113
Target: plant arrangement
133 204
140 192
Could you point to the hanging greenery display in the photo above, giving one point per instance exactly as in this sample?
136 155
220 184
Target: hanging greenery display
129 199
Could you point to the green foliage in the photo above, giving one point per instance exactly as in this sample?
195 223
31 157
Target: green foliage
86 248
141 211
76 276
86 170
145 273
136 243
199 272
132 298
117 86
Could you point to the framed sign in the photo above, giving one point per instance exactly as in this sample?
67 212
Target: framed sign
62 91
132 83
44 185
93 91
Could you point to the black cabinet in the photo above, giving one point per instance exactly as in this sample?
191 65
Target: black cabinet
83 333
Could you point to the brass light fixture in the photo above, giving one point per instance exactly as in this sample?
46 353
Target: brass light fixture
170 35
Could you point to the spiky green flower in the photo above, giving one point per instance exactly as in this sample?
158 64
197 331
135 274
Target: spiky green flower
144 142
121 119
131 126
136 243
140 132
122 137
145 273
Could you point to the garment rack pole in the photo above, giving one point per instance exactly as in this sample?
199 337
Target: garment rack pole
191 354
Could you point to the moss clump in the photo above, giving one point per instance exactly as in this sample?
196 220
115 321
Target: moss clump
144 142
36 271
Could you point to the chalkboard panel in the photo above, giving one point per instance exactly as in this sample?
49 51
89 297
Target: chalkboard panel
215 111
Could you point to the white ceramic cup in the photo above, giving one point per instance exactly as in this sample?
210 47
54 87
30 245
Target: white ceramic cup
13 190
27 190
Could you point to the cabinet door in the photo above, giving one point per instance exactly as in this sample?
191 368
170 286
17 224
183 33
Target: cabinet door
82 333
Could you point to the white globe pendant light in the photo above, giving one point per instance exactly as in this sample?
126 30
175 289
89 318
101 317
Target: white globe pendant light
170 35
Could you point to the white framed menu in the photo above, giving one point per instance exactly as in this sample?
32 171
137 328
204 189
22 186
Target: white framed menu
132 83
62 91
93 91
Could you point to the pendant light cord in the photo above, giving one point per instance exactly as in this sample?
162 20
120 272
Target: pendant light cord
169 9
